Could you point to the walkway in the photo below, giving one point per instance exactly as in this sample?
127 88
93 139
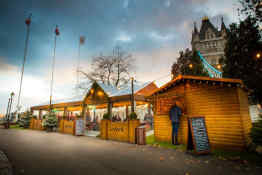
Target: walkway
41 153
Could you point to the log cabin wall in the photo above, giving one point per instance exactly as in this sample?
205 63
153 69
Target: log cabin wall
244 113
225 110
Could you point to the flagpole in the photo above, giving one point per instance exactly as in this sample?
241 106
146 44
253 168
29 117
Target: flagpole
78 62
53 67
81 42
27 22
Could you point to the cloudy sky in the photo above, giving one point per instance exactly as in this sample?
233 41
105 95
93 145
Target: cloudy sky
152 30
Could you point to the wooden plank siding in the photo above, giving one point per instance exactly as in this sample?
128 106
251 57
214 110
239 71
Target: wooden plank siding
244 112
225 110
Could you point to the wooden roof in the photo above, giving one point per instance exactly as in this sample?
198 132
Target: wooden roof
197 78
88 99
146 91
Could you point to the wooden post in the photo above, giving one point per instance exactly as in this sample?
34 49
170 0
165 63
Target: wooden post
40 114
109 108
127 117
149 108
65 112
132 95
84 114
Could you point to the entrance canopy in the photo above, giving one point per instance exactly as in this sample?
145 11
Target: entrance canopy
100 95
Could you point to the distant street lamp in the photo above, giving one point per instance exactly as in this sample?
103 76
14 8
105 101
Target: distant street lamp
10 108
190 66
219 66
7 110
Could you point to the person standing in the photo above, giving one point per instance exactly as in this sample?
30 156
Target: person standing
175 114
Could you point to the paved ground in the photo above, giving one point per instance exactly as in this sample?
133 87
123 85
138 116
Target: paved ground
41 153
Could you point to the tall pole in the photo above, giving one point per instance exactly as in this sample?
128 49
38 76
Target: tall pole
27 22
53 67
7 110
132 95
81 42
78 62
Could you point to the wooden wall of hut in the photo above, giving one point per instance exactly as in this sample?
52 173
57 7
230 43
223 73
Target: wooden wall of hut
225 110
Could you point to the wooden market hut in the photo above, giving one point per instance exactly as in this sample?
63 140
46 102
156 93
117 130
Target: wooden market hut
102 97
223 102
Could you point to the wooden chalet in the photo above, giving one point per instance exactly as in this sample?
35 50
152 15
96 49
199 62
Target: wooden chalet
223 102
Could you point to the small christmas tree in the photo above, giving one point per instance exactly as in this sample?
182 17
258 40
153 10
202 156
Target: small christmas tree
26 119
50 121
256 132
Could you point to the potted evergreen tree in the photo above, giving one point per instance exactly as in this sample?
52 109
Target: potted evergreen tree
26 119
50 122
106 116
133 116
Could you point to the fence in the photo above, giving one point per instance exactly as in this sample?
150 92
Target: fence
120 131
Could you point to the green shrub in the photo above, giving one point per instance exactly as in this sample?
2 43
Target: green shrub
106 116
78 116
50 121
256 132
25 121
133 116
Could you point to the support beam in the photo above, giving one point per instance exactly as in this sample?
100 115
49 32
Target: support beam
65 112
127 117
40 114
109 108
149 108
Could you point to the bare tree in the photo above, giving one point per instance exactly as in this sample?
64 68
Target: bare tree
110 69
122 66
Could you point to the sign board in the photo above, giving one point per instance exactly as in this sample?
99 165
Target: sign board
199 135
79 127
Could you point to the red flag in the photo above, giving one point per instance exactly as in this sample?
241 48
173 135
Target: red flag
82 39
28 20
57 31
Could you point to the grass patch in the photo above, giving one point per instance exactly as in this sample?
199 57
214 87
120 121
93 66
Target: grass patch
251 157
16 127
150 140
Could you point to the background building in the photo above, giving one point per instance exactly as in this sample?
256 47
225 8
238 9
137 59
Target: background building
209 40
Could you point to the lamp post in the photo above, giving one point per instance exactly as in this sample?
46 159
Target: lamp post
27 22
7 110
132 95
10 108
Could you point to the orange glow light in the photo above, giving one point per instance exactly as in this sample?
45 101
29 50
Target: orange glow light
219 66
190 66
258 55
100 93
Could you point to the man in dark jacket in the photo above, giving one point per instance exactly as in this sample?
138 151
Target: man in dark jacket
175 114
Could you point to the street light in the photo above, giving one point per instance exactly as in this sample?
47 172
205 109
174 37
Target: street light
258 55
219 66
10 107
190 66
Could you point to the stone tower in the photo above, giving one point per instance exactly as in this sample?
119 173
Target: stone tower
209 40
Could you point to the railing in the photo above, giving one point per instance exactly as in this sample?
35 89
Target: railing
212 72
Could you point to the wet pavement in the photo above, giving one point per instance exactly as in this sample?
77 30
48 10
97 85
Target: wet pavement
38 152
